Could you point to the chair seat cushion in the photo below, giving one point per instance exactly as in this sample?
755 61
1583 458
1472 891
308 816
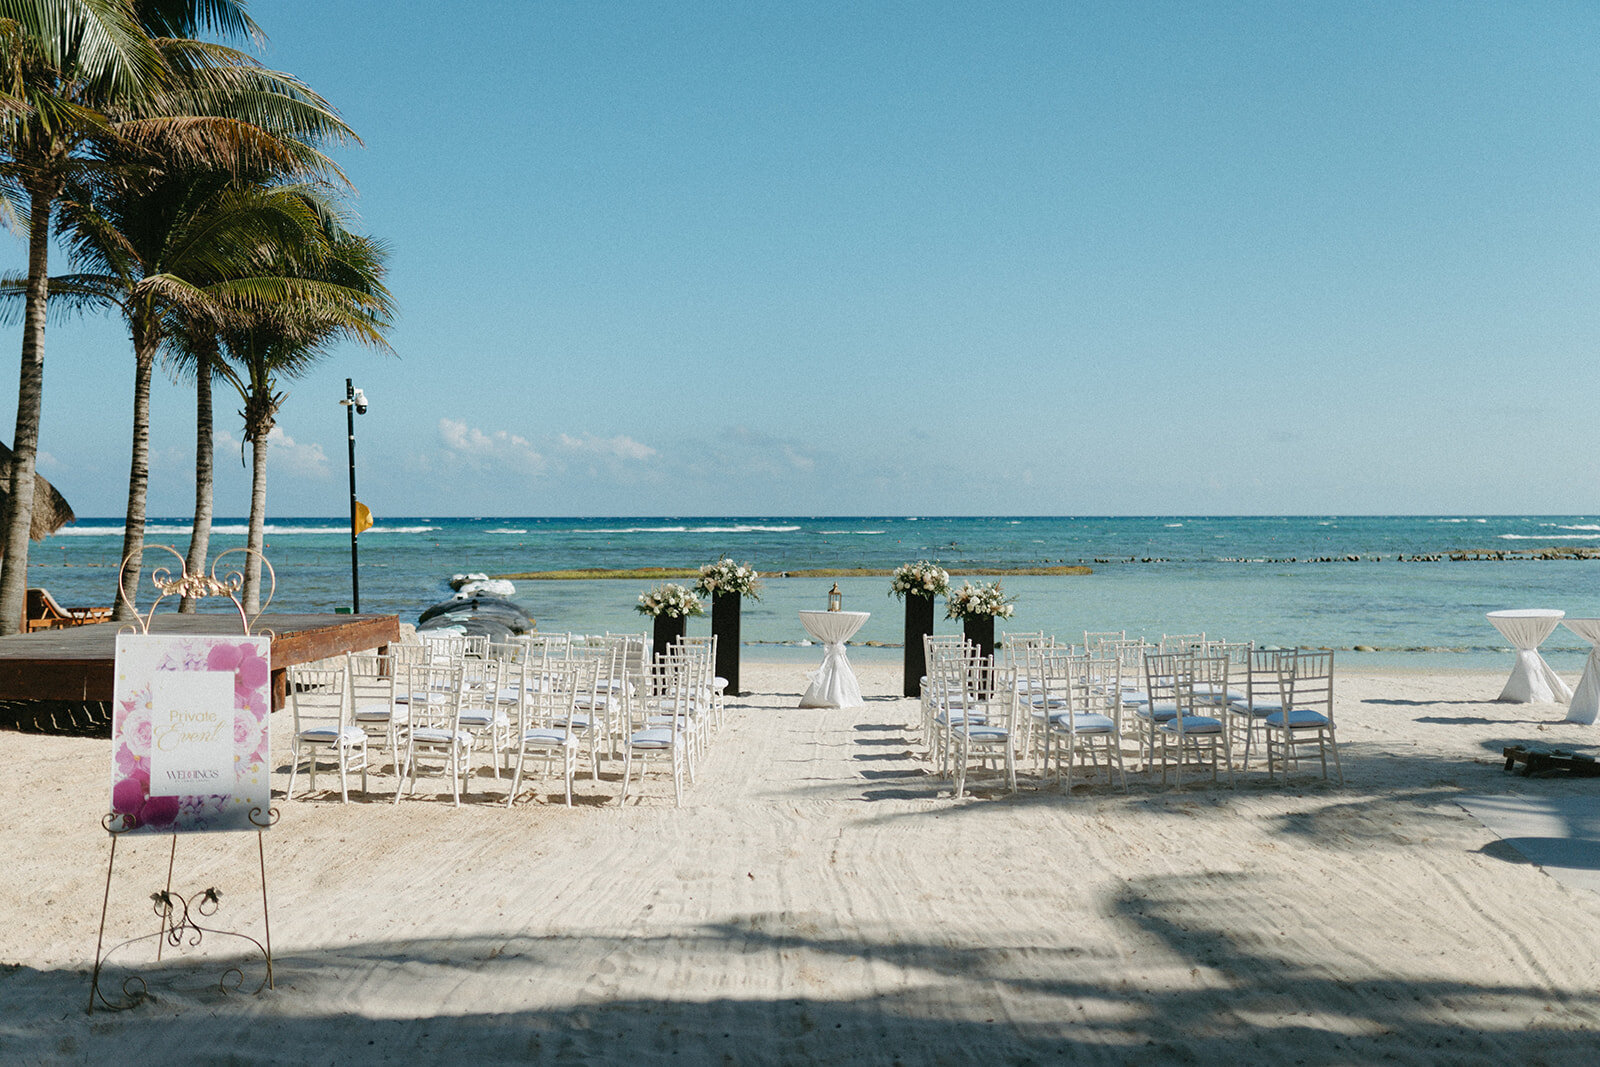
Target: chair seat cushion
984 734
956 718
1257 709
439 735
1160 711
548 738
654 737
1084 722
382 712
1299 719
1193 724
329 735
481 719
580 723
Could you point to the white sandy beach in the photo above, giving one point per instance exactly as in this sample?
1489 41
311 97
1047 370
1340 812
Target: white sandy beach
821 898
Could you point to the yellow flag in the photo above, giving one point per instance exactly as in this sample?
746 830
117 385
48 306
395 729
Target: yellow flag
363 517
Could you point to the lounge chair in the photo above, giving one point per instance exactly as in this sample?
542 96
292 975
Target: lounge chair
43 613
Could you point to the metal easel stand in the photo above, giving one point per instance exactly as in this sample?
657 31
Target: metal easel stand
182 919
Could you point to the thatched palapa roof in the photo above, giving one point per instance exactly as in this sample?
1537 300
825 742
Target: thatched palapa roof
50 509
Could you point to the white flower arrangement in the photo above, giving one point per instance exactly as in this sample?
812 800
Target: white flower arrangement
919 579
985 598
673 601
726 576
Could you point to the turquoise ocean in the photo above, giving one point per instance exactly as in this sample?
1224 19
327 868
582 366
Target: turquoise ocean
1386 584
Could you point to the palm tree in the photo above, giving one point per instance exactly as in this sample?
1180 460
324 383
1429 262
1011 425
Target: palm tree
203 106
340 296
200 356
180 204
193 349
165 247
63 63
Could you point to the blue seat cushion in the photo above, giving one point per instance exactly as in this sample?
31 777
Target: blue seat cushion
1084 722
381 713
654 737
1193 724
547 737
1299 719
438 735
1160 711
580 723
328 735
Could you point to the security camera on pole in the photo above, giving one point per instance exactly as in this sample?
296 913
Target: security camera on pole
355 403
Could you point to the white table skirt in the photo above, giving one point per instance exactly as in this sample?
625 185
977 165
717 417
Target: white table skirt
833 685
1585 704
1532 681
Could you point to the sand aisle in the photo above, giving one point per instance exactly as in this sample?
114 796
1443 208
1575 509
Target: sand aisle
820 898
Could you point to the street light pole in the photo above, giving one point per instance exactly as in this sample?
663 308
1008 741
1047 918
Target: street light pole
354 401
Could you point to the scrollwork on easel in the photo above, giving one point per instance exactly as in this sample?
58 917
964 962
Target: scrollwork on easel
199 586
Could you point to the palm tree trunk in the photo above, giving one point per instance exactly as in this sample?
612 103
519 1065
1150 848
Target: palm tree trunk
144 358
258 521
204 479
30 404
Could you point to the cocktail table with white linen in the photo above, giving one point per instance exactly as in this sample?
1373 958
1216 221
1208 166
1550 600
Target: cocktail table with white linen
1532 681
1585 704
833 685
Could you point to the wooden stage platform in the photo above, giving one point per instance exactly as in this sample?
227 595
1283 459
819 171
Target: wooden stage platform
78 664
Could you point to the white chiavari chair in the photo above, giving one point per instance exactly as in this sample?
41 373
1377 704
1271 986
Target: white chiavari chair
1190 738
373 706
1171 643
1263 695
950 698
319 699
547 721
666 687
1306 684
989 731
1089 725
432 692
933 648
484 712
1097 640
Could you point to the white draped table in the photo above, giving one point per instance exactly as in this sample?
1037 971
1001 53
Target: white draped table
1585 704
1532 681
833 685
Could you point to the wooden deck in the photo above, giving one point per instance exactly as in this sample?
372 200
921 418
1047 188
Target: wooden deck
79 663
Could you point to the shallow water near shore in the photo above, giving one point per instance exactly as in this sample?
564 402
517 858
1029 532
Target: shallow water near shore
1275 580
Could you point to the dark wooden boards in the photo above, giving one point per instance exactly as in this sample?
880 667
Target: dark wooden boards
1543 764
79 663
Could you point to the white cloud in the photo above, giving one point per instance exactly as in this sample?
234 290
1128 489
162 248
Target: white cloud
618 447
290 456
501 447
284 454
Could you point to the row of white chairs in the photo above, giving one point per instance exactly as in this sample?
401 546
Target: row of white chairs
1064 708
442 707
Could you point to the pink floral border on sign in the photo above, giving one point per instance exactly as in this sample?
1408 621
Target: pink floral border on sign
139 656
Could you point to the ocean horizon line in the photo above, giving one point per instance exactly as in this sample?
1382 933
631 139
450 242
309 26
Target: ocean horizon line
1440 516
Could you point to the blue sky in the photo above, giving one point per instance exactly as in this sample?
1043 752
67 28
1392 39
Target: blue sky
919 258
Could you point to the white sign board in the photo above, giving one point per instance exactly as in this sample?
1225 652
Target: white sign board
190 742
